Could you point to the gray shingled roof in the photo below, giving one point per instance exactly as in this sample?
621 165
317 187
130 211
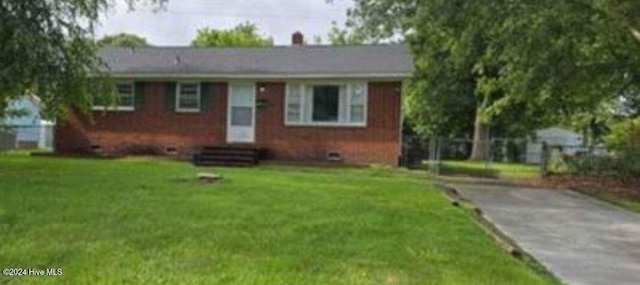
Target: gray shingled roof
286 61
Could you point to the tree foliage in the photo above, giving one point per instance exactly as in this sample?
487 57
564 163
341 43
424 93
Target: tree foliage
123 40
47 48
245 34
624 141
338 36
625 135
549 60
381 20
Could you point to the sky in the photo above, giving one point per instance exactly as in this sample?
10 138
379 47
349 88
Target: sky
177 24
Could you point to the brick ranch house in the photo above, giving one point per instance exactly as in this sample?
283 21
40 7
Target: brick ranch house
297 103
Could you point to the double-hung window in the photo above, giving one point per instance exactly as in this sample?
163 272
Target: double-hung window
125 100
188 97
340 104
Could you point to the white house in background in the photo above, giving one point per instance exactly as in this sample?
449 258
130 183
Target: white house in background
570 142
30 130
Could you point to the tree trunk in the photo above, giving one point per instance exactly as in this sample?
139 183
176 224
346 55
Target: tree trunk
480 148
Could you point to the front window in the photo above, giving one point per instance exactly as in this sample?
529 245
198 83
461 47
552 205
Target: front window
124 102
341 104
326 101
188 97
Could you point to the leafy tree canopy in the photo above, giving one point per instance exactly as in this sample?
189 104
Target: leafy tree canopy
47 48
549 60
245 34
380 20
338 36
123 40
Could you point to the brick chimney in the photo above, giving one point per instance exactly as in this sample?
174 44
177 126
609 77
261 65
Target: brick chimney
297 39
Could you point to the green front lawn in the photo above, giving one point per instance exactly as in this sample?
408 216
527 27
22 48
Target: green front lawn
148 221
489 170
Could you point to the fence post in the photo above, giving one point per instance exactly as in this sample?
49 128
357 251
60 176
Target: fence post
487 152
544 159
434 156
438 149
594 165
505 150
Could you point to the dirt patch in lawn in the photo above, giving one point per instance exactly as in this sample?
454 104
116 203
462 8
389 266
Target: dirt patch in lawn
626 188
623 192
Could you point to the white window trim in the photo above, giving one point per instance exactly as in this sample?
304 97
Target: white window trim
188 110
303 85
119 108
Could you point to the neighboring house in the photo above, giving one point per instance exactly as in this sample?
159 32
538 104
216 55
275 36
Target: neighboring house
569 141
303 103
28 130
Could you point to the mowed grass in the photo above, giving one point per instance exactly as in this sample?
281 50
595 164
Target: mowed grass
147 221
489 170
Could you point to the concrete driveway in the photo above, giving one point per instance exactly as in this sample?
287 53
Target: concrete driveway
580 239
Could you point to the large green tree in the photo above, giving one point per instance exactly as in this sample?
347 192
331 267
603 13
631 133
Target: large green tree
338 36
549 60
123 40
381 20
47 48
245 34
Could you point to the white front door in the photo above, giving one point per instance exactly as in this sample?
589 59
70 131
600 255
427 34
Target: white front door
241 113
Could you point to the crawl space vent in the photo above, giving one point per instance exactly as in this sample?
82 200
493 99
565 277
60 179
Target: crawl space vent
334 156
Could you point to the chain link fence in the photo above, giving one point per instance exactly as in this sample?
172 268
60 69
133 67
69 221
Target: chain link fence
517 158
14 138
594 161
456 156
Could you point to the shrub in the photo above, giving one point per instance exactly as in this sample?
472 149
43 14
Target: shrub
624 142
586 164
625 136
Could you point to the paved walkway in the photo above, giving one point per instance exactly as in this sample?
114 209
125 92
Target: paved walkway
580 239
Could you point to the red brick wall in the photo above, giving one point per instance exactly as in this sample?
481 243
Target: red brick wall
152 127
378 142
